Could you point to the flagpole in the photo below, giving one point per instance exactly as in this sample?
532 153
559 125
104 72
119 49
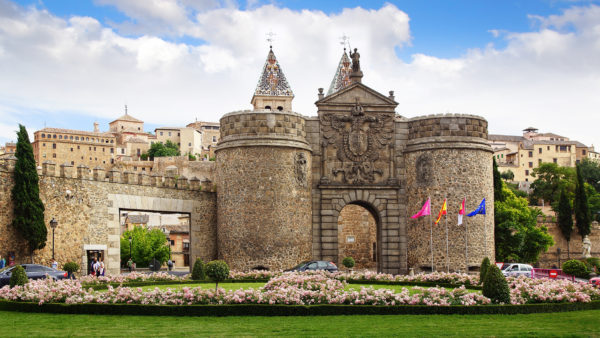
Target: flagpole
431 235
466 237
447 251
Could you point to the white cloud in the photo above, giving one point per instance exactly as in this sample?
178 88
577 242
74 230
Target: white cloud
548 78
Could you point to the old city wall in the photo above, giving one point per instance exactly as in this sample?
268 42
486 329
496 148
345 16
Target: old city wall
551 258
203 170
448 157
263 175
87 206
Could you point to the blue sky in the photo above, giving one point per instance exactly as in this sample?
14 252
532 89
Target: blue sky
517 63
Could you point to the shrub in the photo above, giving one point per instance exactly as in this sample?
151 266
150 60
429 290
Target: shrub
18 277
575 268
485 264
217 271
495 286
593 264
348 262
71 267
198 272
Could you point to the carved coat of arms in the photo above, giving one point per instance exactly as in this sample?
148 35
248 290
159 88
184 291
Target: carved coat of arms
358 139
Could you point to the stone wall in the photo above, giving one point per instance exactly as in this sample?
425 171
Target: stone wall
87 210
357 223
263 175
451 167
551 258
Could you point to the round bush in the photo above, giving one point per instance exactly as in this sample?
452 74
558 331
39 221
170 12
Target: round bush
348 262
575 268
217 270
71 267
18 277
495 286
485 264
593 264
198 272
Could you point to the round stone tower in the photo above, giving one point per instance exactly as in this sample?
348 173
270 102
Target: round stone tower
263 178
447 156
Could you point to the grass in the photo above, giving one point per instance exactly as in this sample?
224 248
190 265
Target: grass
579 323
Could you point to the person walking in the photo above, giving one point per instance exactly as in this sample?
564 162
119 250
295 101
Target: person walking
2 262
54 264
130 264
170 264
101 267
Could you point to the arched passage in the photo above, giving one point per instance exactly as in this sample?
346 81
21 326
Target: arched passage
357 235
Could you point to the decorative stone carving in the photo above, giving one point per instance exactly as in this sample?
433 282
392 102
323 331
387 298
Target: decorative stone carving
423 169
301 169
358 139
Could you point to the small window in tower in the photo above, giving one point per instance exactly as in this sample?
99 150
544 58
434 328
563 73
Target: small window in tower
267 107
280 108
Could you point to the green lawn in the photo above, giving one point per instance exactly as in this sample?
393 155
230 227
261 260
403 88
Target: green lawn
580 323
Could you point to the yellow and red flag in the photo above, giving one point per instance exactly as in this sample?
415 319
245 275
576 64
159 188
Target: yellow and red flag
442 212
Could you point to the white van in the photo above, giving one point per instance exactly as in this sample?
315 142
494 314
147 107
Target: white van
517 269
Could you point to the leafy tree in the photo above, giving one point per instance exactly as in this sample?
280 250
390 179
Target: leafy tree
145 245
507 175
498 193
576 268
198 270
517 235
565 219
590 170
348 262
485 264
495 286
217 271
582 209
550 179
158 149
28 207
593 201
515 189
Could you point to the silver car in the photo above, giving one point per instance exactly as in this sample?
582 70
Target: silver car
517 269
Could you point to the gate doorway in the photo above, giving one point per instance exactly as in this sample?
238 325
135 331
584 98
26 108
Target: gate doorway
357 237
93 256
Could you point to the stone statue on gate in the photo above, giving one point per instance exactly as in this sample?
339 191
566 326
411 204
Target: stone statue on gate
587 247
355 61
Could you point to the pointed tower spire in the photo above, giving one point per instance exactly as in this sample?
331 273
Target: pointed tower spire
272 91
342 75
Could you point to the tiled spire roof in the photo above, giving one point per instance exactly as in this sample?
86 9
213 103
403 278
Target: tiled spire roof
272 82
342 75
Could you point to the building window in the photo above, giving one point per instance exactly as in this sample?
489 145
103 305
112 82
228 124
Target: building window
71 137
71 149
214 139
122 150
102 149
169 133
189 144
90 148
555 160
112 160
43 144
112 150
563 148
186 246
134 168
530 164
72 162
43 135
54 136
53 155
178 134
583 151
161 133
77 147
76 138
539 161
53 145
540 150
172 242
531 154
526 172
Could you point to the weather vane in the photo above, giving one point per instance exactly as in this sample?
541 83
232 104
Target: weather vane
344 39
270 36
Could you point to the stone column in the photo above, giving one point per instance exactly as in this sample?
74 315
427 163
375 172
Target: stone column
99 174
114 176
169 181
144 179
194 183
157 180
49 168
82 172
182 182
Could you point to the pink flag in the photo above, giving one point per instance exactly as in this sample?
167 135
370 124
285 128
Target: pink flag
425 210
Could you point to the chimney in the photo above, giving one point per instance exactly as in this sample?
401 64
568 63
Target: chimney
96 129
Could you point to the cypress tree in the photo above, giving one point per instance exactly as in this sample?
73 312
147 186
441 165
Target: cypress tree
28 207
583 218
565 218
498 194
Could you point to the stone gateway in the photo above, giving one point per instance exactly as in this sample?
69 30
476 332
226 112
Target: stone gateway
282 180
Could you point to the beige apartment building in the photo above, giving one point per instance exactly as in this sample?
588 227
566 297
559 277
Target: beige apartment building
197 138
522 154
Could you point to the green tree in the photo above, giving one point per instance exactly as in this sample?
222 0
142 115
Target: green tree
517 235
158 149
590 170
565 218
28 207
507 175
498 192
485 264
217 271
581 206
198 270
550 179
495 286
18 277
145 245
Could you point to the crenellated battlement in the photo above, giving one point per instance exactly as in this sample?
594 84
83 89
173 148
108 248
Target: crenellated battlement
82 172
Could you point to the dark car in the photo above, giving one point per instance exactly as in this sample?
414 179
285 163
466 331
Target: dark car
33 271
315 265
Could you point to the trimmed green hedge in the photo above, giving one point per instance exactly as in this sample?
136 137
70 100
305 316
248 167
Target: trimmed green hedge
168 282
290 310
424 284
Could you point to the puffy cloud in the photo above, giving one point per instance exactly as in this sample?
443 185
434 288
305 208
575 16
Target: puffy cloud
548 77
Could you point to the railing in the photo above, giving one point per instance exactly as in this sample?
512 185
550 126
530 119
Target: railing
551 273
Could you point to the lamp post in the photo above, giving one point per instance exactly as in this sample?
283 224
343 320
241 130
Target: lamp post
169 241
53 225
130 240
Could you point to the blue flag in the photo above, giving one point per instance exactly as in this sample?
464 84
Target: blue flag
480 209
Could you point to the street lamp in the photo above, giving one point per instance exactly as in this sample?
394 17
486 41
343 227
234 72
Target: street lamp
53 225
130 239
169 241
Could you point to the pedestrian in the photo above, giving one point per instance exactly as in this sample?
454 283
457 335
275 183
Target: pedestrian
130 264
54 264
170 264
2 262
93 267
133 266
101 267
97 268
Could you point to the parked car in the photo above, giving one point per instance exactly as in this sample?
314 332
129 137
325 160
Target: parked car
315 265
517 269
33 271
595 281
